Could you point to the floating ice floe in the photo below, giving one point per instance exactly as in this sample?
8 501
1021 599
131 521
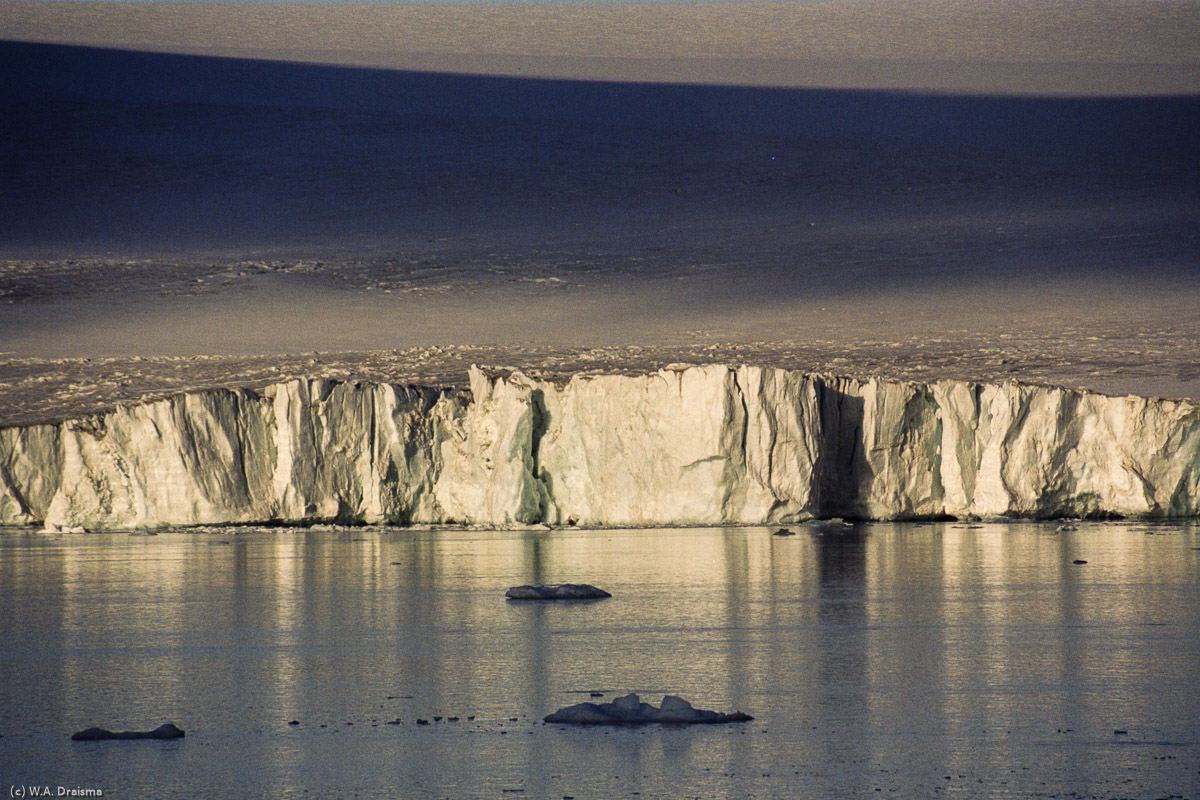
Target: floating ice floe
630 710
559 591
167 731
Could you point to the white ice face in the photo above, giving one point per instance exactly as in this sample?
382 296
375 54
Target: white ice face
699 445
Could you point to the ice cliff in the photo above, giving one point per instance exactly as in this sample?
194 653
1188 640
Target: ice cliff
683 446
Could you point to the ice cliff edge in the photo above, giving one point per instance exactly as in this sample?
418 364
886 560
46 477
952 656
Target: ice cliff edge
692 445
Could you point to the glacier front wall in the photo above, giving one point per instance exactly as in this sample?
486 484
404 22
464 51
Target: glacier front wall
689 446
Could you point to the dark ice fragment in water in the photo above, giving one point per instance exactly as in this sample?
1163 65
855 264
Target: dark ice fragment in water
167 731
559 591
630 710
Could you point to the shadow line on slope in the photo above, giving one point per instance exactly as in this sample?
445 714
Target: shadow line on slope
37 72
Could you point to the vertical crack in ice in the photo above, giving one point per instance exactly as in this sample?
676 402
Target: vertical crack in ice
540 419
242 407
12 493
732 482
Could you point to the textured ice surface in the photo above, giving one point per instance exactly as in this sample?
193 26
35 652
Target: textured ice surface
682 446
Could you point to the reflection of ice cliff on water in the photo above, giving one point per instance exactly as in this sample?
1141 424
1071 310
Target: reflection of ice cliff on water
685 446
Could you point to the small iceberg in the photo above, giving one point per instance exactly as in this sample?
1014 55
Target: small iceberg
630 710
167 731
559 591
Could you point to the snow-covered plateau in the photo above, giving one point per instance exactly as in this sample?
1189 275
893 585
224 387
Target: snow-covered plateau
686 445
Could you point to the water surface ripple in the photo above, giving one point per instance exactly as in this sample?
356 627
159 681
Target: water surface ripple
908 660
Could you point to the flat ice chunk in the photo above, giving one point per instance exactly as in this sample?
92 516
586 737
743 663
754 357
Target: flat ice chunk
630 710
560 591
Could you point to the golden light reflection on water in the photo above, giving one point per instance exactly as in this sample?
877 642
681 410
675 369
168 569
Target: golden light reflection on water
847 642
92 632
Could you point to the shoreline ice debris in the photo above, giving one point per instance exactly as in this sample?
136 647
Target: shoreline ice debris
630 710
557 591
684 446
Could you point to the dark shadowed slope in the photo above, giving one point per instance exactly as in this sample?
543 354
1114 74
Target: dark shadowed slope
361 208
167 154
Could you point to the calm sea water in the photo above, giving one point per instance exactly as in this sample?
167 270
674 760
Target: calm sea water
936 660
